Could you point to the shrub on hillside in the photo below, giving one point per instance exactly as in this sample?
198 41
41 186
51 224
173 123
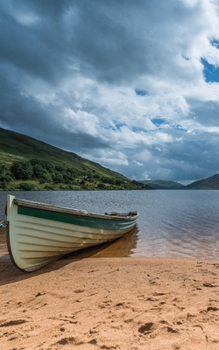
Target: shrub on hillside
22 170
27 186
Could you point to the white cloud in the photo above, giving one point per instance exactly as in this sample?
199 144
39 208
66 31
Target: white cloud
75 121
138 163
111 158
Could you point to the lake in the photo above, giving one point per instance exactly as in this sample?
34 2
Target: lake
172 223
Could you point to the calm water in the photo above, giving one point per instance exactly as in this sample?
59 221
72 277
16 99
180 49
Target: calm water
171 223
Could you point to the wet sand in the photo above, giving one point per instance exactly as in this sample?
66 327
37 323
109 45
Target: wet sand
90 301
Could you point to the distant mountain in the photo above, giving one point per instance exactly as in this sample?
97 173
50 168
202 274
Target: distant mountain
210 183
163 184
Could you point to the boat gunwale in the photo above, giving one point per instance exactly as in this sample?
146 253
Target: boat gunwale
78 212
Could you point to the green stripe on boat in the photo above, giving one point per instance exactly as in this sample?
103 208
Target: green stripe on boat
75 219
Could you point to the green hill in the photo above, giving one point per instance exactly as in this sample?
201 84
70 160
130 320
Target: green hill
52 168
163 184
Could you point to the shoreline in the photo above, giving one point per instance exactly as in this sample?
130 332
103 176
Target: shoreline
111 303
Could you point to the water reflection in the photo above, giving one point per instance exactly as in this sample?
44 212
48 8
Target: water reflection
122 247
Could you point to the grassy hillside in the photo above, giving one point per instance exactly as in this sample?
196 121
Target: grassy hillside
85 174
15 146
163 184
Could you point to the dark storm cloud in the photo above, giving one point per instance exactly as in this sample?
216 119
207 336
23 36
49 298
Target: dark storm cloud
26 116
34 49
108 40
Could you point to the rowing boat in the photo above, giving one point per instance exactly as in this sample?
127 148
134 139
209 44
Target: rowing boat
39 233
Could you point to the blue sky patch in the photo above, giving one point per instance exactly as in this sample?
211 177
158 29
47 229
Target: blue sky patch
119 125
211 72
141 92
158 121
215 43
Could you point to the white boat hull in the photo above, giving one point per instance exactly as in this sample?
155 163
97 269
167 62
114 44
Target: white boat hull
36 241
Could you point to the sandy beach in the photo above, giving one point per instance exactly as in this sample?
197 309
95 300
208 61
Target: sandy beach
96 302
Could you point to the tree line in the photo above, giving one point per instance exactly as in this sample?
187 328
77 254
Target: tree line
43 172
36 169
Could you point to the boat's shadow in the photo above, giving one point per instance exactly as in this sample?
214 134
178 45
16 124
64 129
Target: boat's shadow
122 247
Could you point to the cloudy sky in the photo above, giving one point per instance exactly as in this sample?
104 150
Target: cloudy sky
132 85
